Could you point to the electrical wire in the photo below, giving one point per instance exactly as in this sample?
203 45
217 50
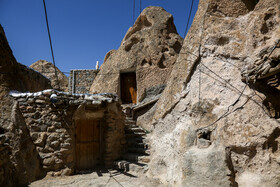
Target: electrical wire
47 22
189 17
140 6
133 16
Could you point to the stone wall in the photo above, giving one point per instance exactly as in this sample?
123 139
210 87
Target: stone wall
50 118
81 80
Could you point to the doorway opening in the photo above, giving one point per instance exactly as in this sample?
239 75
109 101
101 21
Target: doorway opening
128 88
88 144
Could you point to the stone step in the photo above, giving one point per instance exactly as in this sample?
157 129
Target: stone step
128 126
130 121
138 150
132 157
137 139
134 129
137 145
131 167
135 134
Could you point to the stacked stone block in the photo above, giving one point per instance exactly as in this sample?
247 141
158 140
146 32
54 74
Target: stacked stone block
81 80
49 118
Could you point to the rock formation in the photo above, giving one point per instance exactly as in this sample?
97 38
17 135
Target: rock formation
47 69
212 128
19 163
149 48
15 76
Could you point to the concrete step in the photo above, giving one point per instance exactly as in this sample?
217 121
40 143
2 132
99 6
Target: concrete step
138 150
132 157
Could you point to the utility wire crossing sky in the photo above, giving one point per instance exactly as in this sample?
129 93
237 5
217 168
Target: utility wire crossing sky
82 32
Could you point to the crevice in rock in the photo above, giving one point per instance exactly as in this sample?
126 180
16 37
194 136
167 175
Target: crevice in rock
264 28
141 22
204 135
177 46
164 49
204 138
250 4
161 62
170 26
145 63
249 151
133 41
230 167
271 142
270 88
220 41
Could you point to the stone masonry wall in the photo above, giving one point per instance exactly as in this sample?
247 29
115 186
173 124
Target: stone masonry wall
81 80
49 117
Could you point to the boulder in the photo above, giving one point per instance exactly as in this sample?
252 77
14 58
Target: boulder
149 48
47 69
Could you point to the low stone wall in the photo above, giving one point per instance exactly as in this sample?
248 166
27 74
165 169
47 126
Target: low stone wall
81 80
50 118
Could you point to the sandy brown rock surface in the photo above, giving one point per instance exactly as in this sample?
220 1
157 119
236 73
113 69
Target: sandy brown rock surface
47 69
149 48
211 128
15 76
19 163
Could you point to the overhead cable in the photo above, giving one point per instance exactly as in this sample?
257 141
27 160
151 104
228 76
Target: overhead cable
190 13
47 22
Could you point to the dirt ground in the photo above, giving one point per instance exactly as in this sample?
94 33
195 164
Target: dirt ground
100 178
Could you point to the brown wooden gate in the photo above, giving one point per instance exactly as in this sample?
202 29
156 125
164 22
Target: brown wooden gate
87 144
128 88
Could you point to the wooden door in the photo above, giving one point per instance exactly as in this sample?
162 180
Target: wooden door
128 88
87 144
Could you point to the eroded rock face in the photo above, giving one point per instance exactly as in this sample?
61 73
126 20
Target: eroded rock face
150 48
19 163
211 128
15 76
47 69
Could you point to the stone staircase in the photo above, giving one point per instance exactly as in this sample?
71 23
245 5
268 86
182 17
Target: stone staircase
136 158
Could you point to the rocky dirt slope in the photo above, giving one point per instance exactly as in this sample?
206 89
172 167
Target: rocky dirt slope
47 69
212 129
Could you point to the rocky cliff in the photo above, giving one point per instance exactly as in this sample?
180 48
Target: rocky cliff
149 48
15 76
47 69
210 127
19 162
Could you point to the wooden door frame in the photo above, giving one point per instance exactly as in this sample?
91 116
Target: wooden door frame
101 141
120 82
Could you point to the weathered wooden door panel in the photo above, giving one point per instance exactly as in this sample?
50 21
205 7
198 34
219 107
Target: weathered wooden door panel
128 88
87 143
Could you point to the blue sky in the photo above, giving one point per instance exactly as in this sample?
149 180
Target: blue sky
82 31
